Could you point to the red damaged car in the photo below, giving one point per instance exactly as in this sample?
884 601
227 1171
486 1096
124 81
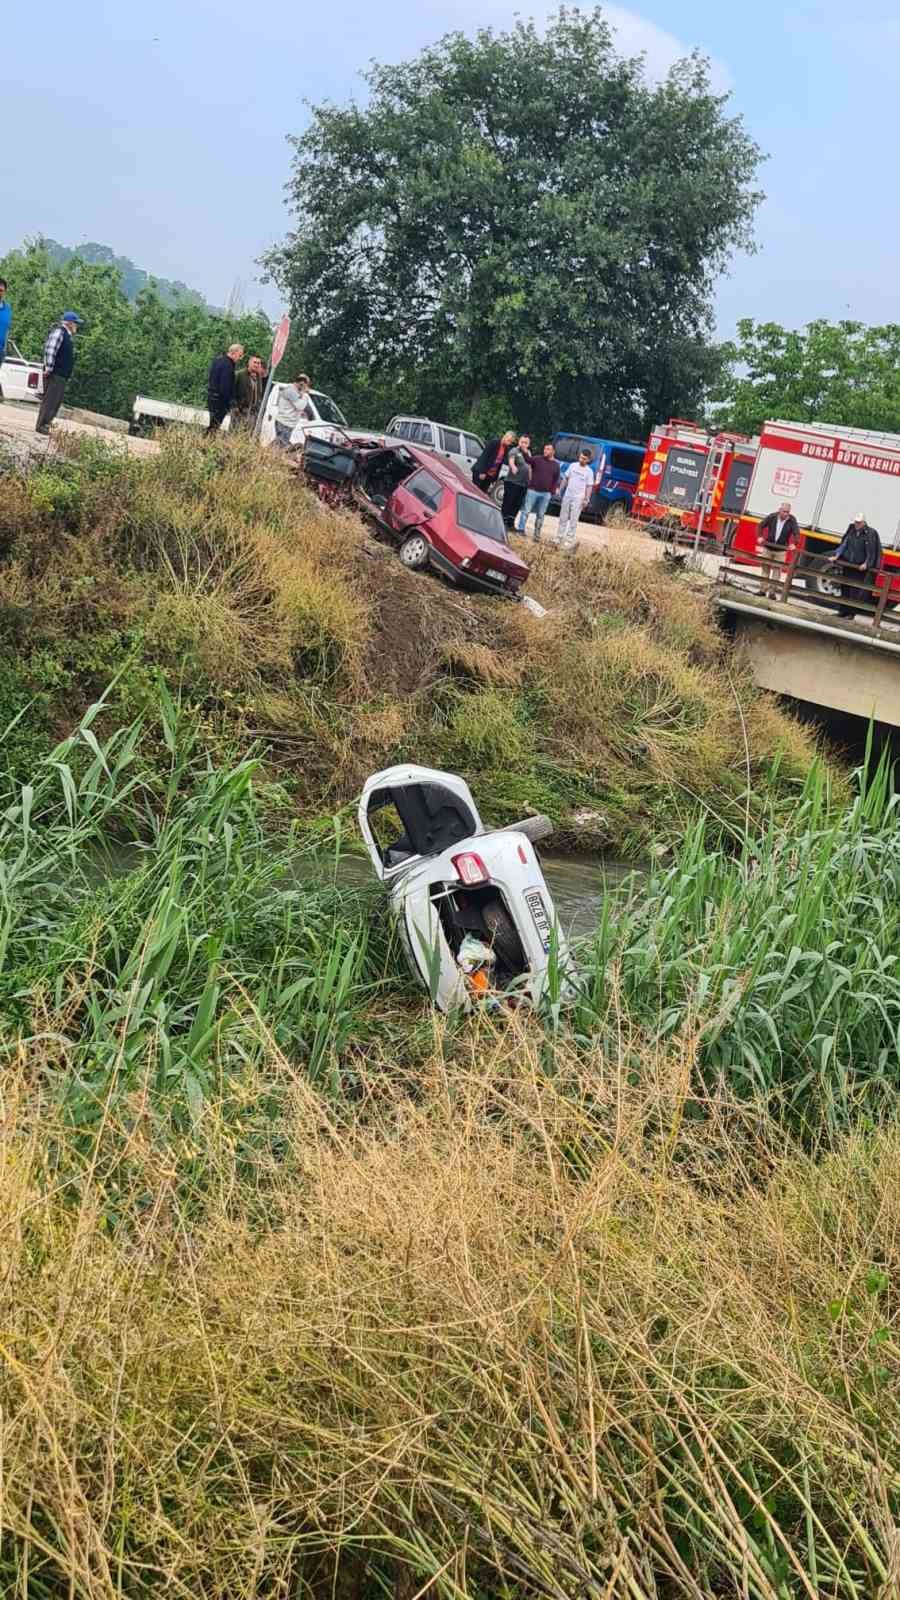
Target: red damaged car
424 504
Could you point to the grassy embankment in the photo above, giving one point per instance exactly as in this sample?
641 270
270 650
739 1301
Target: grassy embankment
284 624
306 1292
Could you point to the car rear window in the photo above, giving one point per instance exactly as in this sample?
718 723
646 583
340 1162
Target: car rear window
420 433
473 445
479 516
450 441
625 460
570 446
426 488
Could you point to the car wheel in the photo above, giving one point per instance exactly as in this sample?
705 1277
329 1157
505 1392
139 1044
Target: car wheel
819 579
414 552
497 494
502 931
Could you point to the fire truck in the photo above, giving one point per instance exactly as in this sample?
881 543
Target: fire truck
693 483
828 474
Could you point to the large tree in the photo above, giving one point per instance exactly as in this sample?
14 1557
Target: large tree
521 219
826 372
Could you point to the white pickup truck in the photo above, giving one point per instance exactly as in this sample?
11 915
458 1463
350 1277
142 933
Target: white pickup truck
20 379
149 414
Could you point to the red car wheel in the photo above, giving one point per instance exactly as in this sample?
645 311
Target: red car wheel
414 552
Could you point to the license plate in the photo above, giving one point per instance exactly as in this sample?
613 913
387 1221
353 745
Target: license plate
535 902
499 577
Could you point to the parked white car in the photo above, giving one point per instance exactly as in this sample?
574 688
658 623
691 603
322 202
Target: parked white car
148 414
472 906
20 379
326 415
462 448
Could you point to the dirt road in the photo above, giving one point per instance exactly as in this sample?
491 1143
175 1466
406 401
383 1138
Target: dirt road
630 541
17 433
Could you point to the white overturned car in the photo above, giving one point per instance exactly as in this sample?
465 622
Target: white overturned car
472 906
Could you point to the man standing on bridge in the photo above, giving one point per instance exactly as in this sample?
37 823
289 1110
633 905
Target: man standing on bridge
859 556
779 531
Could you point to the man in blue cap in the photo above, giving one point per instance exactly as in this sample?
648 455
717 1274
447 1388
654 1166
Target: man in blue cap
59 359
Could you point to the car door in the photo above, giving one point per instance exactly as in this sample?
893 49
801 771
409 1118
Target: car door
473 447
409 813
452 448
415 502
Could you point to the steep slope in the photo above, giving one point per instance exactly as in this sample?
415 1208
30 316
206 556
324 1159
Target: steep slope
289 626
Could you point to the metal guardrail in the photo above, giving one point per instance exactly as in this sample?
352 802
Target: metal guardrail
812 579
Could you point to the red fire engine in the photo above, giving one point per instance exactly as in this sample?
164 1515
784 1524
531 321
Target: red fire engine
828 474
693 482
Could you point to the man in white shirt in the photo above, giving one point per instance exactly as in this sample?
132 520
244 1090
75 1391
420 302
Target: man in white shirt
293 407
578 486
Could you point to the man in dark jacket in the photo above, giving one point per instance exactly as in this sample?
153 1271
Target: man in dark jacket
59 360
220 386
486 470
779 532
858 556
518 477
249 386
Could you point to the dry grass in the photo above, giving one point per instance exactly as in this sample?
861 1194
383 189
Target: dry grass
504 1334
212 563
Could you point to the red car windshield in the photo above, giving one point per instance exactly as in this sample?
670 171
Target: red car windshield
479 516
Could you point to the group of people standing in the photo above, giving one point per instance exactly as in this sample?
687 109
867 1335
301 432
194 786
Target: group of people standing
531 481
239 391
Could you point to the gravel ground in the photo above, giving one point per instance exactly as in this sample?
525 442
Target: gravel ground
18 436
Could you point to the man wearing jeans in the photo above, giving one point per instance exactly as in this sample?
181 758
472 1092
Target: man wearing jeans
544 484
579 486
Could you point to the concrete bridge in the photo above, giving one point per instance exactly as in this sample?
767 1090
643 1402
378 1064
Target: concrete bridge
799 646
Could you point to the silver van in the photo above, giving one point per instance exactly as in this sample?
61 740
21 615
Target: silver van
463 449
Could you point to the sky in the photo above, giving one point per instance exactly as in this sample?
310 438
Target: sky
161 129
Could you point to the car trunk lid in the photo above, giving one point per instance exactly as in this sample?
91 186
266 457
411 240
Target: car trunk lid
491 556
407 813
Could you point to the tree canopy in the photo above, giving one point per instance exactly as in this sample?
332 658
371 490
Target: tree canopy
519 224
123 349
827 372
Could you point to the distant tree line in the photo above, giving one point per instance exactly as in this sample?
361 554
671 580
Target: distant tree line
134 280
125 348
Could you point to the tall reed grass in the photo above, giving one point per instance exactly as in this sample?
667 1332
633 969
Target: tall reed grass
775 963
503 1332
147 928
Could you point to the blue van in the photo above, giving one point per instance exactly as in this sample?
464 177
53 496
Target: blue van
621 464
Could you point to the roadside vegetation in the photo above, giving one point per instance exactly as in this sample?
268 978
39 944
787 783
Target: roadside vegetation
291 632
307 1292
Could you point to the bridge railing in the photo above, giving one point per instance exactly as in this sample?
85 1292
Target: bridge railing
780 575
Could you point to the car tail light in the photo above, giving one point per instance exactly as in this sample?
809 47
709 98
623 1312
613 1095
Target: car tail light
470 868
33 378
466 561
